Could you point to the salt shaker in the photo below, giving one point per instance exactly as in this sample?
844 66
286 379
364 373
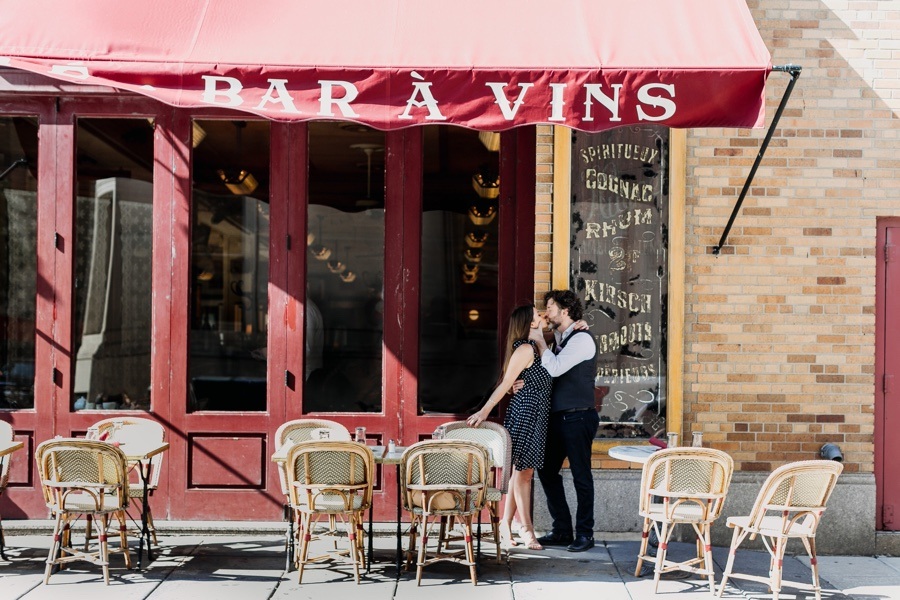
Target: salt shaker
697 442
392 447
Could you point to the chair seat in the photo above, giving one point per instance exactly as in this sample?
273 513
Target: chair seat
83 502
492 494
772 526
687 512
330 503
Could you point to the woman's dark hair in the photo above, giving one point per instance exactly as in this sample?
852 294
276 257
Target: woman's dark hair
519 326
566 299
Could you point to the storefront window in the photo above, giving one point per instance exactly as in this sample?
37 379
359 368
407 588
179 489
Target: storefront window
618 266
229 266
18 266
345 269
458 343
113 250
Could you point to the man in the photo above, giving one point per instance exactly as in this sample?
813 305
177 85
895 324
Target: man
573 421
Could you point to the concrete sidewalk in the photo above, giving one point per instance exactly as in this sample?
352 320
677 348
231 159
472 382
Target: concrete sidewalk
250 566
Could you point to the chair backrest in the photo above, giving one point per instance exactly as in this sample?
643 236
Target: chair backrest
444 476
328 473
304 430
495 438
6 435
797 490
135 430
688 472
73 464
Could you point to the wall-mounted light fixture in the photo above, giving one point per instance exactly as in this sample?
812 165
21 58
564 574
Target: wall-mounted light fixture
473 315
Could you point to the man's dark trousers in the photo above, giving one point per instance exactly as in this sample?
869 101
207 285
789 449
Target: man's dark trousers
570 434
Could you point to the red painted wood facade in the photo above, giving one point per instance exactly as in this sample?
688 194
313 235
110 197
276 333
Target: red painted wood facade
218 465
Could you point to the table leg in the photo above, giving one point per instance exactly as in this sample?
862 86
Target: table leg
399 530
371 540
145 471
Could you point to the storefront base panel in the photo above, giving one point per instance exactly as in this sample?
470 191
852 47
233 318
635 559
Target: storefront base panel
848 526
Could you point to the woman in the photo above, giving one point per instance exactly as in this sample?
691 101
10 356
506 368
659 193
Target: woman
526 420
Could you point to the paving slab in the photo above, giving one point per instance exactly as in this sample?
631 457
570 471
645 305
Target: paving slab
251 566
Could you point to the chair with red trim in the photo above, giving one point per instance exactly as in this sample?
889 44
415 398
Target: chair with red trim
789 506
136 430
683 486
80 478
443 478
333 479
496 439
291 432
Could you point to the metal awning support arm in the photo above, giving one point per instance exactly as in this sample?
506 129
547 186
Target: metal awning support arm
794 72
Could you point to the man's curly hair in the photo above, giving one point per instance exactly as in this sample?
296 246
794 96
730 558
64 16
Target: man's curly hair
566 299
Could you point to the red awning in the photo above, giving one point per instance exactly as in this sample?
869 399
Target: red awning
484 64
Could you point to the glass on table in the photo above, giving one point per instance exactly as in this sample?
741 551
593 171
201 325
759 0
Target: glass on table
93 433
672 439
360 435
697 441
439 432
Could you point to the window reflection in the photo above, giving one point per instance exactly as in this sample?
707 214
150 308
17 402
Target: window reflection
458 361
345 269
18 267
229 266
113 250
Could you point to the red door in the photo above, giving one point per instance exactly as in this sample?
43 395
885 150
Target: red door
887 371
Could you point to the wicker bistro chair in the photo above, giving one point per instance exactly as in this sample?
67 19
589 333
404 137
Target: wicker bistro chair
683 486
291 432
443 478
334 479
83 477
143 431
789 505
496 439
6 435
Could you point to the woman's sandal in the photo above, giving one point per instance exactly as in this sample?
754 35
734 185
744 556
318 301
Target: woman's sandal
530 541
506 537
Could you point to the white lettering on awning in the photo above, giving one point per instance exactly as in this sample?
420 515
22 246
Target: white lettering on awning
645 97
509 110
422 88
232 93
278 94
327 99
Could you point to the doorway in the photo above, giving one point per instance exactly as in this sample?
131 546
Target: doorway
887 369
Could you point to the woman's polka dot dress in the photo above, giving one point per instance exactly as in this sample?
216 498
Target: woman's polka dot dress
528 412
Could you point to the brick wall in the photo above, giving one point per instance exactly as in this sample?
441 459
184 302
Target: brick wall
779 330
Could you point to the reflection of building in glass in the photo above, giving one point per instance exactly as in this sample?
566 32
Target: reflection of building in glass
114 237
